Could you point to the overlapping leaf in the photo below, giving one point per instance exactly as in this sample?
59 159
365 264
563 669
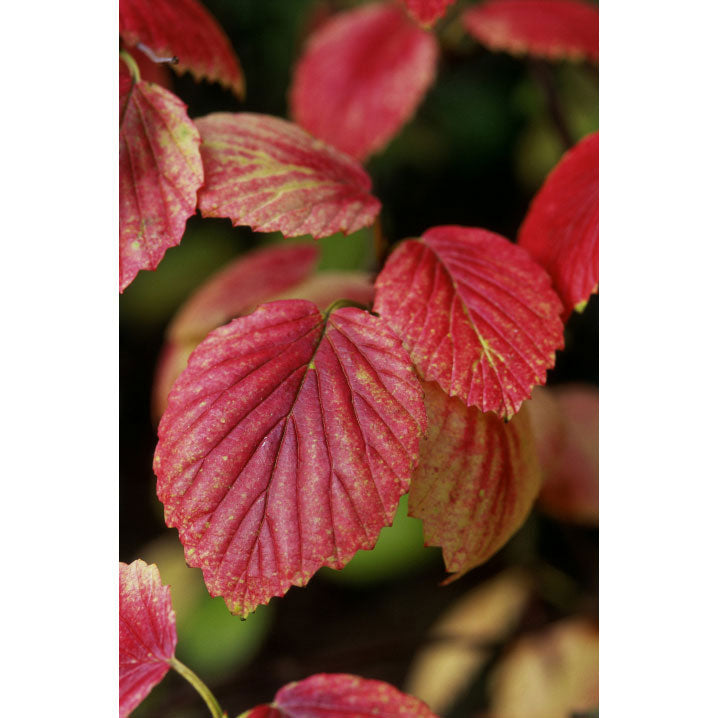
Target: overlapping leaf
476 480
186 30
160 173
248 281
362 76
147 632
273 176
286 446
565 423
476 313
554 29
561 228
427 12
339 695
278 272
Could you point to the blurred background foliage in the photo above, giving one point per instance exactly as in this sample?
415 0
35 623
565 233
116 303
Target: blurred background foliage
479 147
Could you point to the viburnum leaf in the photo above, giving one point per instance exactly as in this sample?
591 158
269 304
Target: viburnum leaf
273 176
268 274
186 30
565 423
147 632
362 76
339 695
245 283
561 227
475 312
160 173
476 481
427 12
554 29
286 446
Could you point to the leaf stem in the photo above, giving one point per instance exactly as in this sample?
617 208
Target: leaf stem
189 675
341 303
131 64
135 74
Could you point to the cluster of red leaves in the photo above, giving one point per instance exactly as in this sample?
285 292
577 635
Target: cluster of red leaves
291 432
361 77
147 644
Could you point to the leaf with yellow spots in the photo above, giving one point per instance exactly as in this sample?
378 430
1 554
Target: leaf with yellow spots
282 271
476 481
147 632
286 445
160 173
272 175
340 695
476 313
186 30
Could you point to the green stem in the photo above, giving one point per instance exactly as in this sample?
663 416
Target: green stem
200 687
341 303
135 74
131 64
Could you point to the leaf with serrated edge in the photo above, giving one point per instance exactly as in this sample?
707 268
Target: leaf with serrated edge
552 29
340 695
186 30
561 228
427 12
286 446
362 76
275 177
147 632
476 481
239 287
475 312
160 173
261 276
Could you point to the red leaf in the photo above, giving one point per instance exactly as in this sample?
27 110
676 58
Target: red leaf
147 632
186 30
160 172
339 695
261 276
565 422
561 227
475 312
555 29
476 480
427 12
286 446
273 176
238 288
362 76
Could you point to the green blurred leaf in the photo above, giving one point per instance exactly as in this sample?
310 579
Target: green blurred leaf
399 551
